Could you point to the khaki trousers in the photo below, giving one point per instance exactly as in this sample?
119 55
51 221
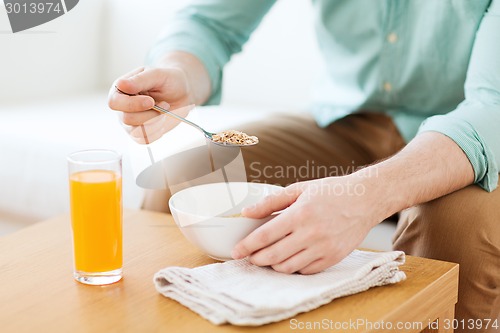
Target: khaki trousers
462 227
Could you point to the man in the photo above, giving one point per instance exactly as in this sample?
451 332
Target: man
411 88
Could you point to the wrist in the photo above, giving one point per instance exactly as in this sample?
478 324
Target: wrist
379 192
419 173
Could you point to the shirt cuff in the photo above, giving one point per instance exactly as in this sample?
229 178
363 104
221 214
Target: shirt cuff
473 144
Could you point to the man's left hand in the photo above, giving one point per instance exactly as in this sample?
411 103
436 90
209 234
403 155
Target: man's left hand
321 222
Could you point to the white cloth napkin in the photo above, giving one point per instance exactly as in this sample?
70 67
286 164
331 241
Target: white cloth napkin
240 293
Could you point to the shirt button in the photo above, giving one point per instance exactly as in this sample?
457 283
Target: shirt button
387 87
392 37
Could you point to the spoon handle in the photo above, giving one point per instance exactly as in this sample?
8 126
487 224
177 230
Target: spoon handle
188 108
170 113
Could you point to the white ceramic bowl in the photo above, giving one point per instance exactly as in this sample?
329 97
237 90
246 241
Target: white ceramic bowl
205 214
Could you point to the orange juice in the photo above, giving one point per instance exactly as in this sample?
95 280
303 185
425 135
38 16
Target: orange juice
96 219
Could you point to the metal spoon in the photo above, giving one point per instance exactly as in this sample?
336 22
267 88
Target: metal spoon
207 134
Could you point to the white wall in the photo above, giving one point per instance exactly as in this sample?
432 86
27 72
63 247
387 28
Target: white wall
259 76
57 59
90 46
130 30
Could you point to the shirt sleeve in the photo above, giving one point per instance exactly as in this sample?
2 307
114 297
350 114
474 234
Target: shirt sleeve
211 30
475 124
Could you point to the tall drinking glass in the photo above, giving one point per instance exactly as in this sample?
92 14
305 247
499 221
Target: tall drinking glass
96 215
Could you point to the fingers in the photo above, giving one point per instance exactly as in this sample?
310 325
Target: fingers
140 89
139 118
264 236
138 82
274 230
296 262
278 252
154 128
142 81
273 202
120 102
146 117
150 131
293 253
315 267
304 261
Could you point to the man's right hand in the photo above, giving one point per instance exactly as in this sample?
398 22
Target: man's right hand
180 80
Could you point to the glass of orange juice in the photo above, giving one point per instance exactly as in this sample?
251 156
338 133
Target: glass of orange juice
95 181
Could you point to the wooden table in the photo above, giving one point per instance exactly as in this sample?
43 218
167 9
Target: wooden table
38 293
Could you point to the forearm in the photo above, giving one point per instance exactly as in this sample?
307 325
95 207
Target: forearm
430 166
197 76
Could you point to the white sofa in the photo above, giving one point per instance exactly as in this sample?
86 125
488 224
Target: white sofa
54 82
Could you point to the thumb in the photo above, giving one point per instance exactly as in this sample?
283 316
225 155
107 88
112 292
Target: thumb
273 203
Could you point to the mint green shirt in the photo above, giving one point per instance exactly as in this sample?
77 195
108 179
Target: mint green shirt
433 65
